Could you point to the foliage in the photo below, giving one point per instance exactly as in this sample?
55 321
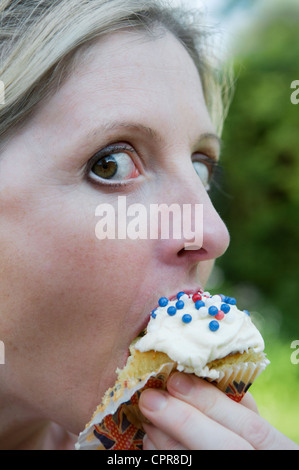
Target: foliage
275 390
260 198
259 202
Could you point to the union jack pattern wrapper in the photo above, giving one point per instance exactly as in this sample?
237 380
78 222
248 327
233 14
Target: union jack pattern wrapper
236 379
117 423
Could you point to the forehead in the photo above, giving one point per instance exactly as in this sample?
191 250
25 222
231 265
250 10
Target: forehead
135 62
129 50
129 76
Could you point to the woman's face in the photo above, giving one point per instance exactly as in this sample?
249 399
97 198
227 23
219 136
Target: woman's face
71 302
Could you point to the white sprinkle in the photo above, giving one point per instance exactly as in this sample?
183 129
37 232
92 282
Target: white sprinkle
203 312
210 302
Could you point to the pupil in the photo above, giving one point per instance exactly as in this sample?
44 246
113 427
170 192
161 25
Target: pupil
106 167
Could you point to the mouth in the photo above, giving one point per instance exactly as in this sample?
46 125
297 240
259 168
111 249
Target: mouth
141 331
189 292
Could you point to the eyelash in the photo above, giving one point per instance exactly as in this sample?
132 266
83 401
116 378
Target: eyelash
109 150
216 174
213 165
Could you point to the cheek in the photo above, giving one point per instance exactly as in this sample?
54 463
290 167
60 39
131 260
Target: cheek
54 263
204 270
68 301
62 262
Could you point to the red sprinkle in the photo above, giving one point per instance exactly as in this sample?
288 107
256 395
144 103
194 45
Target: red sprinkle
196 297
219 315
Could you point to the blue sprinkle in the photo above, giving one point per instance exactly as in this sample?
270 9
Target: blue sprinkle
198 304
180 295
246 311
231 301
180 304
154 313
226 299
171 311
163 302
186 318
213 311
225 308
214 325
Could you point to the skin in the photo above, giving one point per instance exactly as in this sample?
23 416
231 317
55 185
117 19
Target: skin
194 415
71 303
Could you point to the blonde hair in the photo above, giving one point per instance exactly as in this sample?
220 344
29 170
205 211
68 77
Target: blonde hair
39 40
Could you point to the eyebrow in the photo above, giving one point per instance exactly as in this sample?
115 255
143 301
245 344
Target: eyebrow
152 133
111 126
210 136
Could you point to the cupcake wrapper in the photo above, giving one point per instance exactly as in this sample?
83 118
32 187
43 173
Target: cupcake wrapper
235 380
117 422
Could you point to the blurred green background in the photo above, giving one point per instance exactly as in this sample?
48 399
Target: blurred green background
259 198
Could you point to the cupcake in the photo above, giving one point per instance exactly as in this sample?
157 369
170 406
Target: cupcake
199 334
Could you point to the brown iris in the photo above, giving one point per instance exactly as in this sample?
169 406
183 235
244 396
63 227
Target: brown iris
106 167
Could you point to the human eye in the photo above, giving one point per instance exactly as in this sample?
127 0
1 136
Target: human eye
114 163
205 168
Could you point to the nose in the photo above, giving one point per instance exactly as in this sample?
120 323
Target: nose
203 235
215 234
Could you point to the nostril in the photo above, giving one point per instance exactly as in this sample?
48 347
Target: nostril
185 252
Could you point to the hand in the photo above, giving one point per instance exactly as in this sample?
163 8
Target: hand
193 414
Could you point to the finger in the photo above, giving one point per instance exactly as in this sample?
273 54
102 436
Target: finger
185 424
249 402
158 440
237 418
148 443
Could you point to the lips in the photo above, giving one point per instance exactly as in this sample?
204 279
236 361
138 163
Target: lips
142 329
188 292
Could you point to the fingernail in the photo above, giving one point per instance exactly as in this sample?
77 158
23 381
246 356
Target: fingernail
181 383
153 400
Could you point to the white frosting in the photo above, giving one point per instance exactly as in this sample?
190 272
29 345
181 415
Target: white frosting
193 345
